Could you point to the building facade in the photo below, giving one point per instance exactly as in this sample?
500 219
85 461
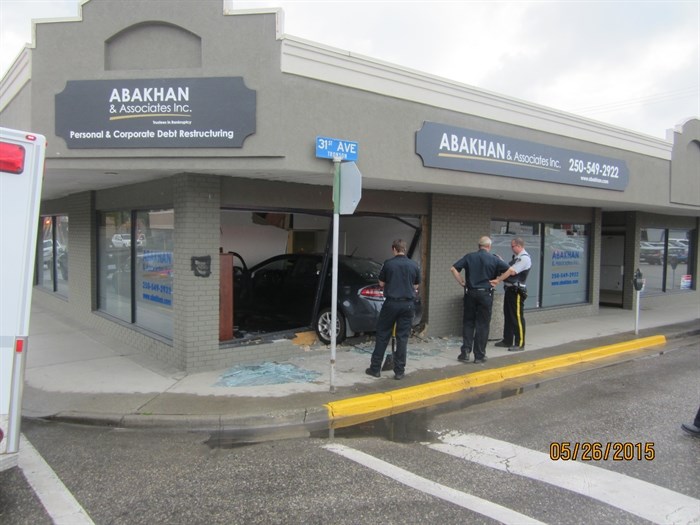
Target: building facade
188 144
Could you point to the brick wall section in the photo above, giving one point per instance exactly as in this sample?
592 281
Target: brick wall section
196 299
457 223
81 255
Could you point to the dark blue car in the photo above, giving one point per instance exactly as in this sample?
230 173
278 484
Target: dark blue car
281 293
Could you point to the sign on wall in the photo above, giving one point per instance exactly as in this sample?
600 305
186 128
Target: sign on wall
452 148
156 113
565 270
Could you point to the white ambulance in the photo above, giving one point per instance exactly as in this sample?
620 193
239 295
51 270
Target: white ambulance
21 176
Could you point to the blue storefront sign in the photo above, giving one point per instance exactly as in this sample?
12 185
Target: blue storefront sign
460 149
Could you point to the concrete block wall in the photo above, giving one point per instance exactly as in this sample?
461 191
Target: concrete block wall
456 225
81 256
196 299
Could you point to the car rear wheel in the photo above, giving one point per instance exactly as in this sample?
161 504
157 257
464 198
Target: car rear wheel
323 326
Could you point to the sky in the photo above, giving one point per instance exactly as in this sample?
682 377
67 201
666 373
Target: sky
630 63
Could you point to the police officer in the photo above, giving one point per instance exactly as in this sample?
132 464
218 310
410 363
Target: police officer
480 268
515 294
399 277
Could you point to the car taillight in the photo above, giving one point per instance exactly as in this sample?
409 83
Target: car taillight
372 292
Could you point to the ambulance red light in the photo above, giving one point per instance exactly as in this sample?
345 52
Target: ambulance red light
19 345
12 157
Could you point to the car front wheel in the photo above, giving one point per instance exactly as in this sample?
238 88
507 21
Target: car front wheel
323 326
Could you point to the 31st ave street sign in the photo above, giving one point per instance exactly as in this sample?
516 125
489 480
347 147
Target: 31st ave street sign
328 148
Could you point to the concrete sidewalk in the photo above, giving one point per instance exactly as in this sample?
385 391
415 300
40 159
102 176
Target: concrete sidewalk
76 373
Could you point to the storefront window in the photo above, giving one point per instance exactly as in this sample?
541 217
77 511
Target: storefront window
559 253
154 271
52 254
502 232
664 265
114 260
565 264
679 269
135 268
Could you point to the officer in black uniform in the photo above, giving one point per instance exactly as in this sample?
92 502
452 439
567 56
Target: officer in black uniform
399 277
479 268
515 294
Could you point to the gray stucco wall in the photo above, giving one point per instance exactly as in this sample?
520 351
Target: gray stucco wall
18 114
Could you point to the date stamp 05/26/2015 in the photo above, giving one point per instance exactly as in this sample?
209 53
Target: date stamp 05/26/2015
598 451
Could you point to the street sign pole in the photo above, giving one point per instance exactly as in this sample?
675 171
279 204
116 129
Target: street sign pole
334 273
345 202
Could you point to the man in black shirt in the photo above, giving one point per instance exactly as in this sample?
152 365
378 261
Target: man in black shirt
479 268
399 277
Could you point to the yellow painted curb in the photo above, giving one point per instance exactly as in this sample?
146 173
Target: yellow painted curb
396 401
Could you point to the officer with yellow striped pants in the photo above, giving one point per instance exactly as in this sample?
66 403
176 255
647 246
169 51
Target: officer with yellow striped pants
513 280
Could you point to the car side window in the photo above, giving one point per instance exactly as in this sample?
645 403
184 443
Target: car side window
306 269
274 273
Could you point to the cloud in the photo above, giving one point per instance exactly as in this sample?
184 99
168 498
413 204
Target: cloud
633 64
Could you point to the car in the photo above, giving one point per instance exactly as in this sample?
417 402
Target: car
280 293
121 240
678 249
48 249
651 252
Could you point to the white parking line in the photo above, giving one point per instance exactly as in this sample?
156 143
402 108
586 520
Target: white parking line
648 501
467 501
57 500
